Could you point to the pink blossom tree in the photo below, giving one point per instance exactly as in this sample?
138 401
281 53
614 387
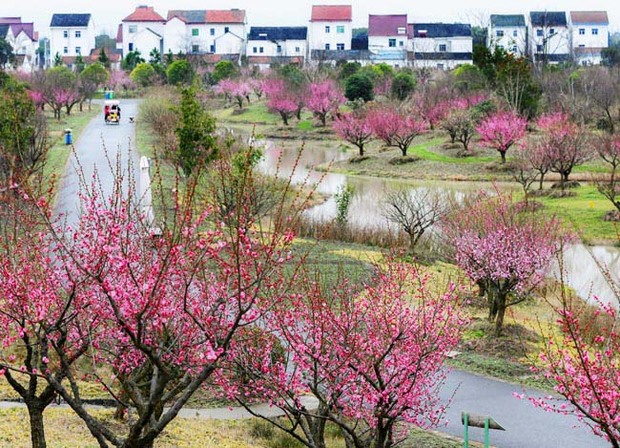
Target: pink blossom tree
324 98
502 130
355 129
584 366
565 143
608 148
119 79
281 100
503 249
239 90
395 128
371 357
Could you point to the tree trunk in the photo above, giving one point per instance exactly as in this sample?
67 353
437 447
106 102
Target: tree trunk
403 150
503 154
37 428
361 148
501 311
284 118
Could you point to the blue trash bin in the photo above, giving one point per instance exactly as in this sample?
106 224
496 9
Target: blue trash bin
68 137
109 95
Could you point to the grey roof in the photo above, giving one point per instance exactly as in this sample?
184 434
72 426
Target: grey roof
507 20
4 29
442 29
278 33
61 20
548 18
190 16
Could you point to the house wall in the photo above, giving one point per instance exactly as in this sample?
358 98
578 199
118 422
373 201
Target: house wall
588 39
383 42
557 41
230 43
513 40
86 42
452 44
175 37
140 38
319 37
270 48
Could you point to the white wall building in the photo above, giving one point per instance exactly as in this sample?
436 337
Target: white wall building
331 27
23 39
143 31
442 45
549 37
589 35
277 45
71 35
508 31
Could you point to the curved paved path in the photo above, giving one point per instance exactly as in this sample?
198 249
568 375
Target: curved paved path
525 425
97 140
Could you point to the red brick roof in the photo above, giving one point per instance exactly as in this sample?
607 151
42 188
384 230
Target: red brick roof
387 25
599 17
226 16
114 56
144 14
331 13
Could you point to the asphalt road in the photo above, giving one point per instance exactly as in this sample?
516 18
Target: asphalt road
526 426
97 149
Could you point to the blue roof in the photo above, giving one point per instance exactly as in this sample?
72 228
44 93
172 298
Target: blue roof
60 20
507 20
442 30
4 29
548 18
278 33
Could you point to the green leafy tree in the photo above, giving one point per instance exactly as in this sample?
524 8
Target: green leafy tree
195 133
104 58
348 69
611 55
132 60
143 75
403 85
79 63
169 58
223 70
6 53
180 72
154 57
91 79
57 60
359 86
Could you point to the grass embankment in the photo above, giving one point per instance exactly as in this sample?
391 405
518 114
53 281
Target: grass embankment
58 152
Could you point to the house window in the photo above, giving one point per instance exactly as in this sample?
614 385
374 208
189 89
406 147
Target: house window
514 33
339 46
539 33
279 49
212 48
401 43
340 29
261 50
226 29
297 49
443 47
254 50
402 30
499 33
440 66
327 46
391 42
194 31
595 31
212 31
551 31
539 48
78 34
327 29
65 50
514 48
582 46
195 48
582 31
130 46
422 33
65 33
78 50
133 29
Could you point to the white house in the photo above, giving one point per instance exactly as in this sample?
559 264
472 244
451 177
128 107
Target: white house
442 45
388 39
143 31
589 35
331 27
205 31
277 45
71 35
508 31
549 37
23 39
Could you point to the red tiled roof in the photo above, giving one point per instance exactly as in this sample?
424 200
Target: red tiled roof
112 55
331 13
599 17
226 16
119 33
144 14
387 25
